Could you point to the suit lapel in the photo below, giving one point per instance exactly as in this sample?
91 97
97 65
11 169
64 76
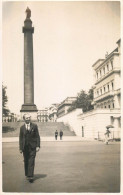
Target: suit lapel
24 129
31 127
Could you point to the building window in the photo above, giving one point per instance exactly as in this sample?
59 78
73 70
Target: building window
104 89
97 93
100 73
109 106
112 85
113 105
108 87
97 75
104 104
104 70
101 91
112 65
107 67
82 131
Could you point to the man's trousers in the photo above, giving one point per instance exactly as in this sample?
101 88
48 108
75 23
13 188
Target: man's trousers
29 160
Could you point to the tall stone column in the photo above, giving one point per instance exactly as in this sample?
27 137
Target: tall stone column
28 106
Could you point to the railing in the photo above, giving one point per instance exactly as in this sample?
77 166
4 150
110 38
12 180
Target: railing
112 136
102 96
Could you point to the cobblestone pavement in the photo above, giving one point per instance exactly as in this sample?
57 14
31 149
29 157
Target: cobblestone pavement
64 167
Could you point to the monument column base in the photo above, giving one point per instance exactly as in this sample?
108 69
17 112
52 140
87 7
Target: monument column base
30 109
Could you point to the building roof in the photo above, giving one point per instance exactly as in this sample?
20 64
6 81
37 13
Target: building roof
118 41
99 62
68 100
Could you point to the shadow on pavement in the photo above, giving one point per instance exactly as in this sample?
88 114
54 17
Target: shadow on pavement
38 176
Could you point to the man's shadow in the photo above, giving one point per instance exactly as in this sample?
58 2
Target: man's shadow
38 176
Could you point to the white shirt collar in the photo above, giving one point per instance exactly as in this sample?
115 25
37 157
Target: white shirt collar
27 125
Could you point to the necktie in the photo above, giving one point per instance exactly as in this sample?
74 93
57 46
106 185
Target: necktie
28 127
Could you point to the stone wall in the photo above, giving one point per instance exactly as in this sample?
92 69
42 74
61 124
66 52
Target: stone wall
71 119
93 124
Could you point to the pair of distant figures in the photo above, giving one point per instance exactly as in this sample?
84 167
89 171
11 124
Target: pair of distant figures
60 133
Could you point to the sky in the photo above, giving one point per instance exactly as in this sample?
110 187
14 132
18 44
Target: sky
69 37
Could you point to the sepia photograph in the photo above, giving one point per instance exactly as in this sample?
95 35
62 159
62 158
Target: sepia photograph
61 97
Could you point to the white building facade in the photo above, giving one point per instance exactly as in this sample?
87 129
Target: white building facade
52 110
107 101
42 115
107 98
107 74
64 106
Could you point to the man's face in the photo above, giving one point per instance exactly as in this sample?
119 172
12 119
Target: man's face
27 120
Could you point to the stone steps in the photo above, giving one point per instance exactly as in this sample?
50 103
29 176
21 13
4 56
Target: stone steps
12 129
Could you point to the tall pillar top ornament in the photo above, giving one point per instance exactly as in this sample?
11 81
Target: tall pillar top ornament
28 23
28 13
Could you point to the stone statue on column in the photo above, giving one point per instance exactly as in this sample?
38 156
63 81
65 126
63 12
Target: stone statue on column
28 13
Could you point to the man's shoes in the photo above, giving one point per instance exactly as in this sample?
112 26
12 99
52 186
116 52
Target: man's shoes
30 179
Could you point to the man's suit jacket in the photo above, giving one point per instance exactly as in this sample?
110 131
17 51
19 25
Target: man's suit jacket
34 136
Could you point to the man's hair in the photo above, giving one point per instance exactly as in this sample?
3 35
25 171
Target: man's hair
26 116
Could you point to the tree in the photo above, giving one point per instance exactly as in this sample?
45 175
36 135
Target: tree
83 101
5 110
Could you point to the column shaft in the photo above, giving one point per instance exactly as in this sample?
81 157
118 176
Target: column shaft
28 69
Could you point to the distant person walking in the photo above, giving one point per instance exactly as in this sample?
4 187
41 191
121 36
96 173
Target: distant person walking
29 144
61 134
107 136
56 134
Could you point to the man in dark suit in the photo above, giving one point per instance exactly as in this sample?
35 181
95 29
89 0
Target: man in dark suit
29 144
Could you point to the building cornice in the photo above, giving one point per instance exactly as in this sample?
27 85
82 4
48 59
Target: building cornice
98 61
100 111
113 53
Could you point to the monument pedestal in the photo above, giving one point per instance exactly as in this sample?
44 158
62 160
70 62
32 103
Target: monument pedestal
28 108
31 109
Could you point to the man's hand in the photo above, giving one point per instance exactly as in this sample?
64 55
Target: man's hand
21 151
37 149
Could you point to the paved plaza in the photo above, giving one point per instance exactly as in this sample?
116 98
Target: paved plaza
64 167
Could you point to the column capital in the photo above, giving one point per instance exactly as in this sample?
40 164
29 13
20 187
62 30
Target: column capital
28 29
28 26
